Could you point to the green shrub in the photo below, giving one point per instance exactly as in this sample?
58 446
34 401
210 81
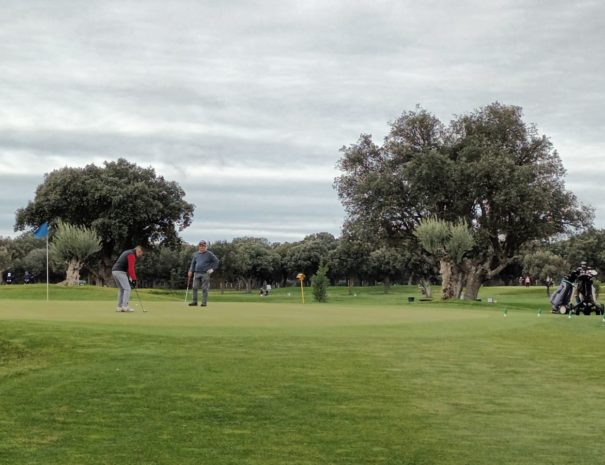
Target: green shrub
319 283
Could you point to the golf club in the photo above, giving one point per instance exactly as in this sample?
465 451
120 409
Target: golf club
187 291
140 301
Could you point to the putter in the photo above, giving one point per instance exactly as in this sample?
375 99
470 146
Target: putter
140 301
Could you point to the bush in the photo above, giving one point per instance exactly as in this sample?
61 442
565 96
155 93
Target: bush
319 283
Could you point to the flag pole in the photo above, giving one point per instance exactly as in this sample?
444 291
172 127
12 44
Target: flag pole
39 233
47 277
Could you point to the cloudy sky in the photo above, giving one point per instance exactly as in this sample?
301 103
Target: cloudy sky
246 104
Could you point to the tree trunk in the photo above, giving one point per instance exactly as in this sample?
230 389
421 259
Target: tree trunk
104 276
425 288
387 284
477 274
72 275
445 270
474 279
351 283
458 276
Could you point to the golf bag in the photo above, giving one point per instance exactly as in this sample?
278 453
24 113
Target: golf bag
562 296
586 298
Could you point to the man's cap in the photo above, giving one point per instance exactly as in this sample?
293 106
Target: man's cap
202 243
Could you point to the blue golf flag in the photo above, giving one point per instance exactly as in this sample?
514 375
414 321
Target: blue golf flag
42 231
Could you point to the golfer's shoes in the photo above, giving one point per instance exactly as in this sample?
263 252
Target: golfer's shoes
124 309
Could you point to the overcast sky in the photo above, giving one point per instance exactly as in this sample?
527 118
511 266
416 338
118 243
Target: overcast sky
246 103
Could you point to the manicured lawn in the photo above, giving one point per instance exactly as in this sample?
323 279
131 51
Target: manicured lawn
365 379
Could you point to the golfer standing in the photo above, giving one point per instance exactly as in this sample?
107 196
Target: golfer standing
124 275
203 264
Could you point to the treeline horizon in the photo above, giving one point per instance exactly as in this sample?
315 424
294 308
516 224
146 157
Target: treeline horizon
249 262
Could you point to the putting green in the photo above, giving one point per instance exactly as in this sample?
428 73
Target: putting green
234 314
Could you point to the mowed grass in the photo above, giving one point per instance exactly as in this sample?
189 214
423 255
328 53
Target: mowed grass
512 297
366 379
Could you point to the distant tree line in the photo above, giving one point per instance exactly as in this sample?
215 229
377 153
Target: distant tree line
248 263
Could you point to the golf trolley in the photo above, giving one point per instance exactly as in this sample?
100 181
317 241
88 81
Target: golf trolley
576 294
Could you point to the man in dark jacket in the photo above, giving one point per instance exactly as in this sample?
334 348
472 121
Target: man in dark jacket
125 276
203 264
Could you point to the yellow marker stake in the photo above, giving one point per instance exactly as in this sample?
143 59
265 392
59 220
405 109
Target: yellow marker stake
301 278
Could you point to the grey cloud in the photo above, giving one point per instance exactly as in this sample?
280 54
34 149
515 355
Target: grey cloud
589 189
15 193
275 209
281 84
162 147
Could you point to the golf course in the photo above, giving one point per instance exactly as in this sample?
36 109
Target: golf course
366 378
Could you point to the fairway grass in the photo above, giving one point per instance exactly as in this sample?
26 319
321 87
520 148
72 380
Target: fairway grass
269 382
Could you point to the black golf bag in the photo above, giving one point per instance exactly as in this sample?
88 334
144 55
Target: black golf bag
586 299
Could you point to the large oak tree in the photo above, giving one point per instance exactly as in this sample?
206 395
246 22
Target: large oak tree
487 168
124 203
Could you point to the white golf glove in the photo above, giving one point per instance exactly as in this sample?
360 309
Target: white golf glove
210 271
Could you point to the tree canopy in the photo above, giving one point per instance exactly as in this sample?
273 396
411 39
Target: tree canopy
252 258
306 256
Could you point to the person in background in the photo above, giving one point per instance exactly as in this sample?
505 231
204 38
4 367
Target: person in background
124 274
203 264
548 282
